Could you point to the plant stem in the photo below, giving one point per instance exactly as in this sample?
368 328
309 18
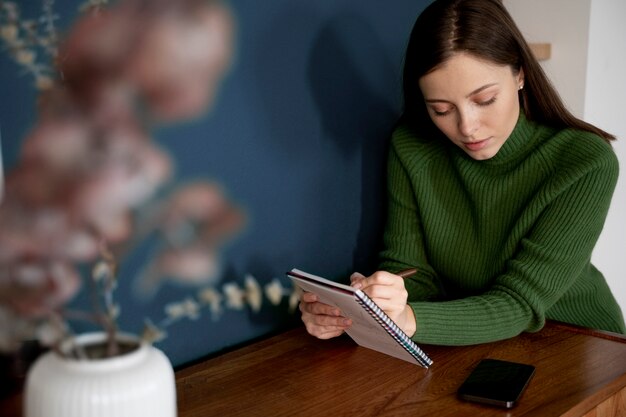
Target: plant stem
110 329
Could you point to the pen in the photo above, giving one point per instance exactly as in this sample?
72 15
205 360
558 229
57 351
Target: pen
407 272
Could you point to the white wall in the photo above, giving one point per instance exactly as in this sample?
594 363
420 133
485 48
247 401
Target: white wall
587 68
565 25
605 106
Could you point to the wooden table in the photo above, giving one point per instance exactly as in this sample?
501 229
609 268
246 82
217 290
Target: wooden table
579 373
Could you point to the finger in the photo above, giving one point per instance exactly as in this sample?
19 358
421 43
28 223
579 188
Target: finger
356 276
309 297
387 305
327 333
325 327
320 309
386 292
382 279
378 278
329 321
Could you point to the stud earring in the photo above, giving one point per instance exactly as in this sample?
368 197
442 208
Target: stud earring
521 86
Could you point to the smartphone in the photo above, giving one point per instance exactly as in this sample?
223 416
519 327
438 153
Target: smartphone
496 382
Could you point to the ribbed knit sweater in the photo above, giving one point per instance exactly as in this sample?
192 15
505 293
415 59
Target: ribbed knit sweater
501 244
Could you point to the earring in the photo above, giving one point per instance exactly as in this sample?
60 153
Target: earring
521 86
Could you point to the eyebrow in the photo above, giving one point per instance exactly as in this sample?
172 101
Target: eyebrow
478 90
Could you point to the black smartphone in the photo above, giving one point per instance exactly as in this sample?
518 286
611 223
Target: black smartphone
496 382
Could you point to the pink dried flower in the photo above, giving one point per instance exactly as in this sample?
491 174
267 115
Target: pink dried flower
89 172
35 288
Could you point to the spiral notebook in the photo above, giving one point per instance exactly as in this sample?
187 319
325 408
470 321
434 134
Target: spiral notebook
371 327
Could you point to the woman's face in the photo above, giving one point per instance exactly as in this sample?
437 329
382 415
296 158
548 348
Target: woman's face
473 102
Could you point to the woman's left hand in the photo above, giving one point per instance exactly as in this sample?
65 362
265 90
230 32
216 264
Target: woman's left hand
388 292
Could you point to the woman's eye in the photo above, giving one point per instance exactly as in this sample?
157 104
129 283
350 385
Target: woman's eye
440 112
483 103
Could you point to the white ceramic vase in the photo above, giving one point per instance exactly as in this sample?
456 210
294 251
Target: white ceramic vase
135 384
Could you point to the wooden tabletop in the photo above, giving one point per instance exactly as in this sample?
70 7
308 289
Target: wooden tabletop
294 374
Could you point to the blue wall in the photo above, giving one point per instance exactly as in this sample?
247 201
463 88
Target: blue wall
297 137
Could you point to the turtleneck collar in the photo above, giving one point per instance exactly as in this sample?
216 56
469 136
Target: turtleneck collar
521 141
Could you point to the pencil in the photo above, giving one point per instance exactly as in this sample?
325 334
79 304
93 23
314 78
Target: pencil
407 272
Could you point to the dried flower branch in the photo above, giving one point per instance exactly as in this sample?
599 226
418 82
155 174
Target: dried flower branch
83 190
25 38
92 6
233 297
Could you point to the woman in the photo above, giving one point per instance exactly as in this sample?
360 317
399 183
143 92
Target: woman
497 193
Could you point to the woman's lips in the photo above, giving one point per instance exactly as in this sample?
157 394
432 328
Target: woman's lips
477 145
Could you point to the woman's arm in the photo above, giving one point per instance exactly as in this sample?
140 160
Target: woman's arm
403 237
549 259
551 254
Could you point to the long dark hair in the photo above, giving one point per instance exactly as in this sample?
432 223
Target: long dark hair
484 29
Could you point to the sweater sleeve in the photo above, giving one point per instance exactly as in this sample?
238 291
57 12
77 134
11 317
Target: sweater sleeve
404 245
550 257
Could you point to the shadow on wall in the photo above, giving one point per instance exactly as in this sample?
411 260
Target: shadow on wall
354 116
326 88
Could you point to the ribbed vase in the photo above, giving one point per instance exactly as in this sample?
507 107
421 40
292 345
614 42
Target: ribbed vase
134 384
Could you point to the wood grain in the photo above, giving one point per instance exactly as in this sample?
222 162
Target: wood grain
295 374
613 407
579 372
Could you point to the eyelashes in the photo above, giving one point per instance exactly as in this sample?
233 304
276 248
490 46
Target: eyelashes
479 103
487 102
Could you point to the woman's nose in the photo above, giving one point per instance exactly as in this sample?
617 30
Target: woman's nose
468 122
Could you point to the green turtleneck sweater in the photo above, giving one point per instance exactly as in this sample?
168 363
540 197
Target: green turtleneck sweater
502 244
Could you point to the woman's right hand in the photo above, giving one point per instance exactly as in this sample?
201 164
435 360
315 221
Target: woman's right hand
322 320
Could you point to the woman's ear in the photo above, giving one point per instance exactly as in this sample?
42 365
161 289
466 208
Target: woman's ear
520 79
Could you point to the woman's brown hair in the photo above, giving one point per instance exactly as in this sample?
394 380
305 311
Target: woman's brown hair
484 29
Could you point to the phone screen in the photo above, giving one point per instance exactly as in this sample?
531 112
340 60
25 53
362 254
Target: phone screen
496 382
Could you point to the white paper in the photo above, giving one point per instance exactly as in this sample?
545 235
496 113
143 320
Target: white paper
365 330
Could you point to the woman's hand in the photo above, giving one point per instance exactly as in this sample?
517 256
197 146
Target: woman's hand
388 292
321 320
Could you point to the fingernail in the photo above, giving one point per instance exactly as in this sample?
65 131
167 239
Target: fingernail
357 285
347 322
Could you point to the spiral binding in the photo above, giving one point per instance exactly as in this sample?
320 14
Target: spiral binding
390 327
